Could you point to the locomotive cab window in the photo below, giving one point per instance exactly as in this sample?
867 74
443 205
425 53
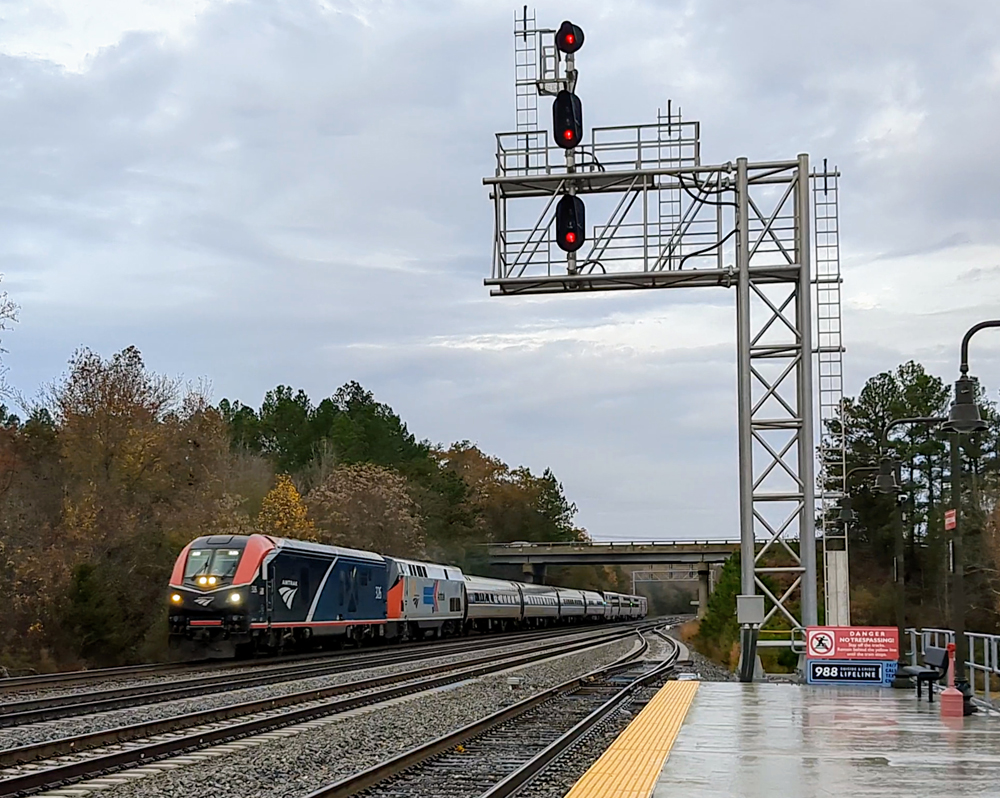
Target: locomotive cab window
208 567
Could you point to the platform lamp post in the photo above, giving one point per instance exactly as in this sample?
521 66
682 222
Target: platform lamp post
963 419
887 482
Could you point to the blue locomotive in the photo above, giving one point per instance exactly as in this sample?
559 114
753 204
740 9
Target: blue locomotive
233 594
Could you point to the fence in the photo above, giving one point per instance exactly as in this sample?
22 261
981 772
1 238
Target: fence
982 664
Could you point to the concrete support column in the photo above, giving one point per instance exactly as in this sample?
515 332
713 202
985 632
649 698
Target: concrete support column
703 591
534 573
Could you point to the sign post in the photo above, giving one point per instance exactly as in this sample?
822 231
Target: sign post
854 655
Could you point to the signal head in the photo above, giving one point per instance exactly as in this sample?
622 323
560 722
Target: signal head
569 37
571 223
567 120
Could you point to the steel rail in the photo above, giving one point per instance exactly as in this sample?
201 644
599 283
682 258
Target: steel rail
38 776
538 763
66 678
373 776
42 709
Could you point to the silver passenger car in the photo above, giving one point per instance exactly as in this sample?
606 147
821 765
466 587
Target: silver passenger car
492 603
572 606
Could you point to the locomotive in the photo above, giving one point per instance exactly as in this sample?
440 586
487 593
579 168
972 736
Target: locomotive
234 594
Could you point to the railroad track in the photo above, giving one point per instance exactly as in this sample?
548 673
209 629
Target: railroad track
38 710
68 760
12 684
496 756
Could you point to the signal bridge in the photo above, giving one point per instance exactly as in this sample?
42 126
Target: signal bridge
628 207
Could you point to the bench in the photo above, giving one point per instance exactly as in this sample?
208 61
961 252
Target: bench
934 669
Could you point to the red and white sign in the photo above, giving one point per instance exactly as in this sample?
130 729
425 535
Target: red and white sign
852 642
950 519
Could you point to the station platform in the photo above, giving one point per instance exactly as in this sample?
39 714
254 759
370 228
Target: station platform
761 740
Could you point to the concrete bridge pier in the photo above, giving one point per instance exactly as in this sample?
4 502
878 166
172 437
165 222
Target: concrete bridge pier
534 573
703 588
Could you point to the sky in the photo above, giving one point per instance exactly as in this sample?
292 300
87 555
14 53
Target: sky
258 193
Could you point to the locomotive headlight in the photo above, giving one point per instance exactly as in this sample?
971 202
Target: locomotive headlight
212 580
176 598
202 580
235 598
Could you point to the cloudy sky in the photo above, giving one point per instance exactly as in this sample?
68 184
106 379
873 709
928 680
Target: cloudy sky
290 192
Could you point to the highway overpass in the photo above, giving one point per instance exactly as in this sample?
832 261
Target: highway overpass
535 557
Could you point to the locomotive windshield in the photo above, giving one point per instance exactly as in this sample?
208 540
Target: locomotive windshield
211 565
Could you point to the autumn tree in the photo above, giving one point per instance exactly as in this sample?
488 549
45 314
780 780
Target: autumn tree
283 512
144 462
367 506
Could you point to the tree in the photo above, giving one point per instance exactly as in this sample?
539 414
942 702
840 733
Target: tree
144 469
909 391
8 316
283 512
367 506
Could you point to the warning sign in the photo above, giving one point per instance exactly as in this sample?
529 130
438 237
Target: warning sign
950 519
852 642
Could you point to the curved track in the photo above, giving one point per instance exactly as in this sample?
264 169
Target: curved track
496 756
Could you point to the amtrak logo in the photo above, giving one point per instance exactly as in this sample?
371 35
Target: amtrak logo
288 595
204 601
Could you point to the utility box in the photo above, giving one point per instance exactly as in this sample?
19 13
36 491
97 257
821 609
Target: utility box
750 610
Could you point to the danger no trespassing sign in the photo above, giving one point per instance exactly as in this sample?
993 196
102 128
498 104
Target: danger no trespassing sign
852 642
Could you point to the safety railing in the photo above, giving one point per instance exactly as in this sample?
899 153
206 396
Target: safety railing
982 664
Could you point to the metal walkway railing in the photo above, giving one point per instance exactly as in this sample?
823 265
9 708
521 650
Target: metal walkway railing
982 664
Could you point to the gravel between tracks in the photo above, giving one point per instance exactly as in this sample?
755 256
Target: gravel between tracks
209 670
294 766
557 779
84 724
707 670
704 668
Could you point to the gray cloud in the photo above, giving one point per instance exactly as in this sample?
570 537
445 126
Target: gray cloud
292 193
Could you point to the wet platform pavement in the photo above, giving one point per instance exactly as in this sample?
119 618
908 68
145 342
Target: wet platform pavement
767 740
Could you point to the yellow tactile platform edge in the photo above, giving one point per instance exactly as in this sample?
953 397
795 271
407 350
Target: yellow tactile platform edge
630 767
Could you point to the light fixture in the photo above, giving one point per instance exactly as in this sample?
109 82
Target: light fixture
885 482
964 414
176 598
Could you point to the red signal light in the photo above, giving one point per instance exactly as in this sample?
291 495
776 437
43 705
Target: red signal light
571 223
568 135
569 37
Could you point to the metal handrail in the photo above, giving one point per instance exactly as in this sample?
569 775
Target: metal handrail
982 663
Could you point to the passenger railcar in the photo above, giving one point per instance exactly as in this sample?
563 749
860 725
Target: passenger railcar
541 604
572 606
594 606
492 604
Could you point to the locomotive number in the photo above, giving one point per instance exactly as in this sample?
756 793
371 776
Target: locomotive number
378 591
